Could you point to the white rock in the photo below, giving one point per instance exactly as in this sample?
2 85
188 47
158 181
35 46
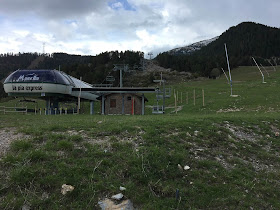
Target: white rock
45 196
122 188
25 207
66 188
180 167
109 204
117 196
186 167
196 133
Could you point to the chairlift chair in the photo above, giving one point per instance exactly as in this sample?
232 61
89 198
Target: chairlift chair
157 109
110 79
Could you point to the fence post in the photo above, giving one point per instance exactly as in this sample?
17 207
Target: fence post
194 97
203 97
175 97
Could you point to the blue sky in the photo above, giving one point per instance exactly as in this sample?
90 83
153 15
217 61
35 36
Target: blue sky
94 26
121 4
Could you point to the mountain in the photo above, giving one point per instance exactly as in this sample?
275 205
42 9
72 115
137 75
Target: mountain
243 41
189 49
247 39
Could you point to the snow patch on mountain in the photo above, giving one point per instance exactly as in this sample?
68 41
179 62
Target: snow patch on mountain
189 49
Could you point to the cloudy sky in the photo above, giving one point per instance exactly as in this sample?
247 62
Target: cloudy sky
89 27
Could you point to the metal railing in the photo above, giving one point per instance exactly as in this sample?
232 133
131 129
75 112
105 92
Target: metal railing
38 111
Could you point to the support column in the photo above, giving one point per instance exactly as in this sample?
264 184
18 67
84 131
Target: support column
163 99
91 107
132 106
143 104
48 106
122 103
103 105
52 104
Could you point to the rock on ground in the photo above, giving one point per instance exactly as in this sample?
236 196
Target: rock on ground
108 204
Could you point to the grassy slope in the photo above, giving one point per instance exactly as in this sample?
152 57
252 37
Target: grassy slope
233 156
247 84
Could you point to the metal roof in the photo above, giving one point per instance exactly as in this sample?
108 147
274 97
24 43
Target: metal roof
103 90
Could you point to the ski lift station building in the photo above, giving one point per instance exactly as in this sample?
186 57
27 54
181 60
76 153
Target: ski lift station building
56 86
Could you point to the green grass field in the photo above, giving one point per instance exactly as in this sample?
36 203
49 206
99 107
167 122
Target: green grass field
231 146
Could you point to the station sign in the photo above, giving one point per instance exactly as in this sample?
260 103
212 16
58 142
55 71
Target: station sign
27 88
28 78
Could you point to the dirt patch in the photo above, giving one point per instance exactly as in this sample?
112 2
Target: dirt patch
105 140
242 133
7 136
229 110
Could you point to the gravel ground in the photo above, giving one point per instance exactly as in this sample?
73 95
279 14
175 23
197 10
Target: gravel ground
7 135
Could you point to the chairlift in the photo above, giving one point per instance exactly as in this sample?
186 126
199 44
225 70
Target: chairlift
157 109
126 68
167 92
160 93
158 96
110 79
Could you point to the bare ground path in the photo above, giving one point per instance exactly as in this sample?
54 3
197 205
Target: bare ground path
7 136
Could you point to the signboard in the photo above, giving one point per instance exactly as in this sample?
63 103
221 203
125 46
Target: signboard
28 78
27 88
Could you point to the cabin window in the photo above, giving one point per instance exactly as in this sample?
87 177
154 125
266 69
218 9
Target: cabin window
113 103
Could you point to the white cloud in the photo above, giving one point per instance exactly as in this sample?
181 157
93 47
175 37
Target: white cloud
21 33
90 27
117 5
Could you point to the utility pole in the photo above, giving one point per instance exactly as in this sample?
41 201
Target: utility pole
44 48
230 81
79 99
162 81
121 68
259 70
150 54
